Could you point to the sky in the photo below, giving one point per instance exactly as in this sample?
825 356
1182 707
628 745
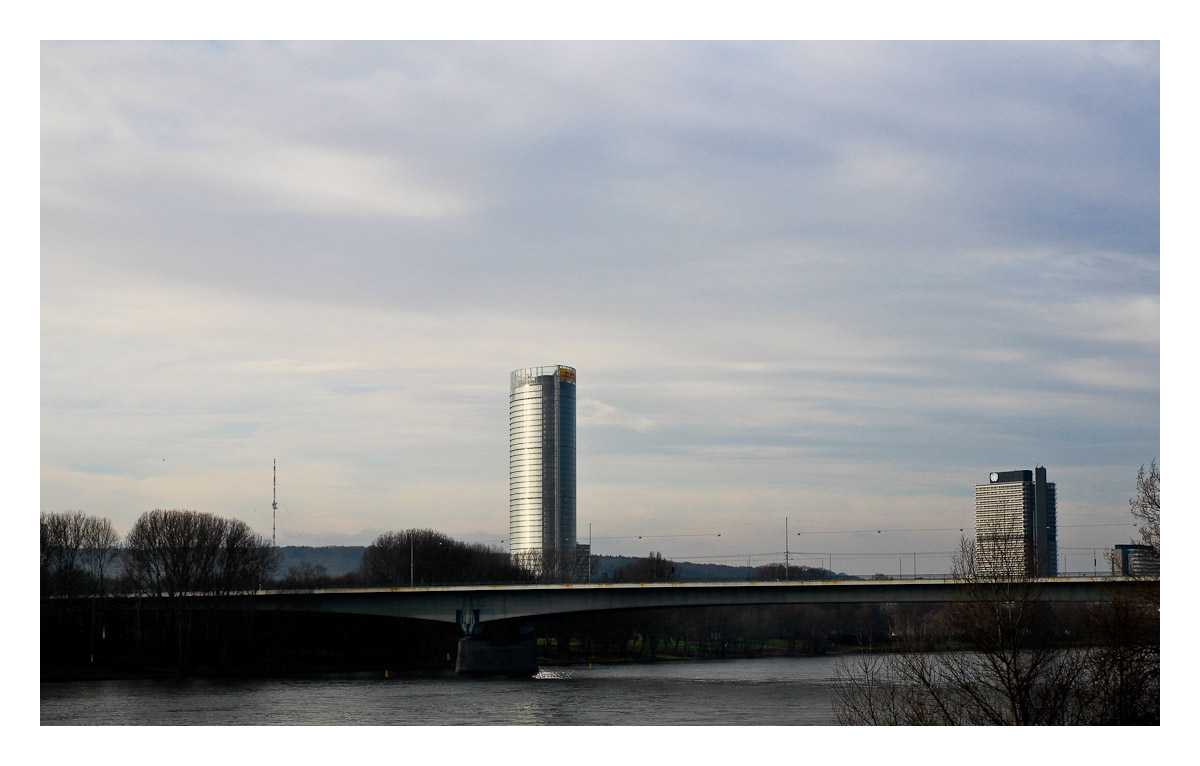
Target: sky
814 288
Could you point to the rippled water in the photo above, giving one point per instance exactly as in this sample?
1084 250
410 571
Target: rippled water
772 691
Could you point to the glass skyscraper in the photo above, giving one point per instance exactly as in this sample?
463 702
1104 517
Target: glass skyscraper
541 466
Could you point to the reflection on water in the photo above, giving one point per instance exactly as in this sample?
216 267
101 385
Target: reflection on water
775 691
553 673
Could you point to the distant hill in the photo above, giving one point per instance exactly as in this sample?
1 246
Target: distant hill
685 570
343 559
337 559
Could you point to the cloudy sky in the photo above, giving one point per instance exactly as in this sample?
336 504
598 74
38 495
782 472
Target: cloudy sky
832 283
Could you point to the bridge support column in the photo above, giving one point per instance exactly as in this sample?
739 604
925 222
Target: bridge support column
498 648
480 656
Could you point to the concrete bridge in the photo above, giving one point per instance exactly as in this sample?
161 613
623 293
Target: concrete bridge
475 607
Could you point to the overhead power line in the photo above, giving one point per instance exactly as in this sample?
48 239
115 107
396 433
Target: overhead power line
648 537
881 531
940 529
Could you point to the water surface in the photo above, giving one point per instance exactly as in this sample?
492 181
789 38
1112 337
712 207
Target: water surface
781 691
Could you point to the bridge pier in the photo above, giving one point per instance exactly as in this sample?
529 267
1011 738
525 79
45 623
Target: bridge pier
497 648
478 655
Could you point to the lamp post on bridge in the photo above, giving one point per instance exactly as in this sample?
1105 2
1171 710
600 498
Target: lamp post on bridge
787 558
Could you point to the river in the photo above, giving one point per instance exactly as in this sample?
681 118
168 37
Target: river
780 691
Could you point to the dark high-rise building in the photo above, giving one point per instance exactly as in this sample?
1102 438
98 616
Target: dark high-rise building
541 467
1135 560
1016 525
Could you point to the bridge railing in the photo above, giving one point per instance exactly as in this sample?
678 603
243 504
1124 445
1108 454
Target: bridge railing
725 580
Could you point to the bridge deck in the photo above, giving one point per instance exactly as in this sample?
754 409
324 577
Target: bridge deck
469 604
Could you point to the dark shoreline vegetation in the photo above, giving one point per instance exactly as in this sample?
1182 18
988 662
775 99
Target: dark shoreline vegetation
136 638
123 608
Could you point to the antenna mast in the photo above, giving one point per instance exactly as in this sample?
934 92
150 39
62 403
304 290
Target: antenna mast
274 505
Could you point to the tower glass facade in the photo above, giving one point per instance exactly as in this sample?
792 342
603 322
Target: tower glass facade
541 464
1016 525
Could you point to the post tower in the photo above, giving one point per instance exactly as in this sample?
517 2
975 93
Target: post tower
541 467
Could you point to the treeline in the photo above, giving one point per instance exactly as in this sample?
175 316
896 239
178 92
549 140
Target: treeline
173 552
713 632
787 630
337 559
655 568
414 557
172 557
78 554
168 559
167 553
796 630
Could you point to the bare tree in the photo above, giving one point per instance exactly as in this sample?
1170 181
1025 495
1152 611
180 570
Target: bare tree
62 537
305 577
778 571
167 551
1144 505
244 559
1123 671
1018 670
423 556
178 554
554 566
77 553
100 552
652 568
881 690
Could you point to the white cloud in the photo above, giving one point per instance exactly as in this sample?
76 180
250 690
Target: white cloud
593 412
318 181
1108 373
832 276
